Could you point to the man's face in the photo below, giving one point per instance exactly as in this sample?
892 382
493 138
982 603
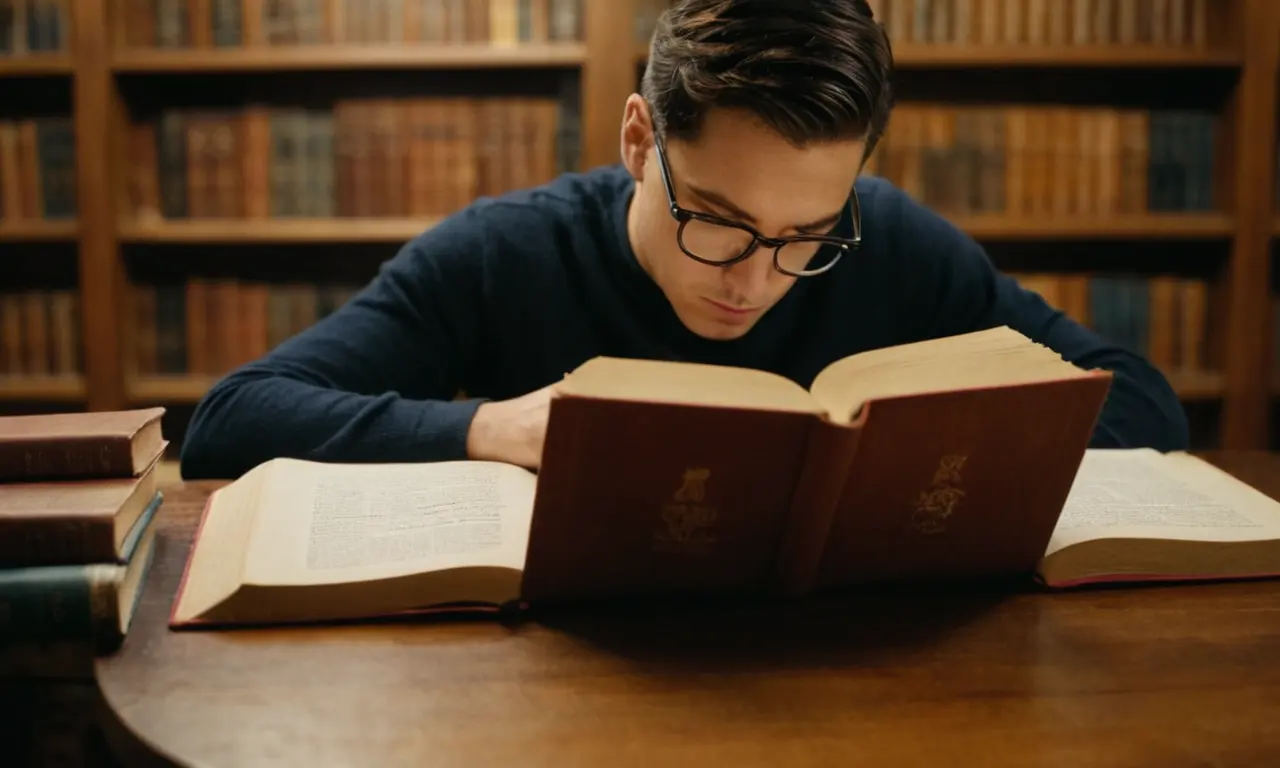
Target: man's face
739 170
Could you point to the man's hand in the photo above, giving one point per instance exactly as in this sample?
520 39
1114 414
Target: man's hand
511 430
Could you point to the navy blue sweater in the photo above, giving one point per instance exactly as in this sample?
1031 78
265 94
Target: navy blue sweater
511 293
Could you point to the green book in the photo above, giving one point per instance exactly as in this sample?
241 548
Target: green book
93 602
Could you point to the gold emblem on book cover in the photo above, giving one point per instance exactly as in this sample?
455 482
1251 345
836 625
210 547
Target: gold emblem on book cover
687 518
938 501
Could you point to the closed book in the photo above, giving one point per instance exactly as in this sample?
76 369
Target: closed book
95 444
941 460
73 522
92 603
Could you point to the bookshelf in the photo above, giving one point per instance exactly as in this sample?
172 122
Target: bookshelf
38 231
393 231
37 65
990 227
119 75
320 58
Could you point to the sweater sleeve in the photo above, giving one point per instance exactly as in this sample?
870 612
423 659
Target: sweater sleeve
375 381
954 288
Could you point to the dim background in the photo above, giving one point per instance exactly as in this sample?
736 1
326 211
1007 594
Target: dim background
185 183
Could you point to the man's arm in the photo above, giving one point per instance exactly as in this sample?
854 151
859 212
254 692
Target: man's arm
959 290
374 381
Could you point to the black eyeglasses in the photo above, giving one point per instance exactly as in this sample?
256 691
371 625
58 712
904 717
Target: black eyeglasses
722 242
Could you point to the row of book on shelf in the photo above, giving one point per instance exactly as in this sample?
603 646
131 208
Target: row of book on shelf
33 26
37 169
208 326
40 333
235 23
1172 23
1164 318
79 501
432 156
1050 160
1052 22
364 158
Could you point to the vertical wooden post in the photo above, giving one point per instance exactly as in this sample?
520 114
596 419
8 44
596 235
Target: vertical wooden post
1248 363
101 275
608 77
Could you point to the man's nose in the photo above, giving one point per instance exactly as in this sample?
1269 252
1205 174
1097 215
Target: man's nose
749 276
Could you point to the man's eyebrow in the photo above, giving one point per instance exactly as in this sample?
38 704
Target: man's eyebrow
721 201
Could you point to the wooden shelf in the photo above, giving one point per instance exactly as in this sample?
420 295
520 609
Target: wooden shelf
986 227
38 230
42 389
1140 226
1197 385
348 57
1061 56
281 231
931 56
172 389
37 65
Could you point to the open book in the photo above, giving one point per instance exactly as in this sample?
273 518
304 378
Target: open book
1144 516
947 458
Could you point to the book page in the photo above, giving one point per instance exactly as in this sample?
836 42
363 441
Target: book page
1144 494
993 357
659 381
327 523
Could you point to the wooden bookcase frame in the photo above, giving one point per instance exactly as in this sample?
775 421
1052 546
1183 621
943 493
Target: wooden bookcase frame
606 61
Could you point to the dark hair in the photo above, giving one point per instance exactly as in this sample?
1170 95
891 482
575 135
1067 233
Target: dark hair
812 70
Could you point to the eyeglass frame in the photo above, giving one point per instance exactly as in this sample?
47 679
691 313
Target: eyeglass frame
684 216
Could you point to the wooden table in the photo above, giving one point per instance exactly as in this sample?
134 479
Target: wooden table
1161 676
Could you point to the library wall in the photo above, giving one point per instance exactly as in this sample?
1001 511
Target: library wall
250 163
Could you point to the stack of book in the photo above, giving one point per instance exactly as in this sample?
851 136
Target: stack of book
78 499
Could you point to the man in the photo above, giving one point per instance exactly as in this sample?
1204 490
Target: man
754 121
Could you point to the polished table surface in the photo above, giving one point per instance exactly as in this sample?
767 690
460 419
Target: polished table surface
1146 676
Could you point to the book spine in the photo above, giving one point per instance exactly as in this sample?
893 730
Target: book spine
75 458
829 457
59 603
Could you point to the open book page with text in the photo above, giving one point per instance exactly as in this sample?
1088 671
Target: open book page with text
1143 494
1140 512
988 358
997 357
336 523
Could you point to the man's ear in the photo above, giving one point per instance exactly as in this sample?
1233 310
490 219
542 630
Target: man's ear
637 135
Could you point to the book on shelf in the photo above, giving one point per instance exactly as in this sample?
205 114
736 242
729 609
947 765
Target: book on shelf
1032 160
167 24
1165 318
667 477
40 334
37 169
358 158
1163 23
958 23
33 27
206 327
